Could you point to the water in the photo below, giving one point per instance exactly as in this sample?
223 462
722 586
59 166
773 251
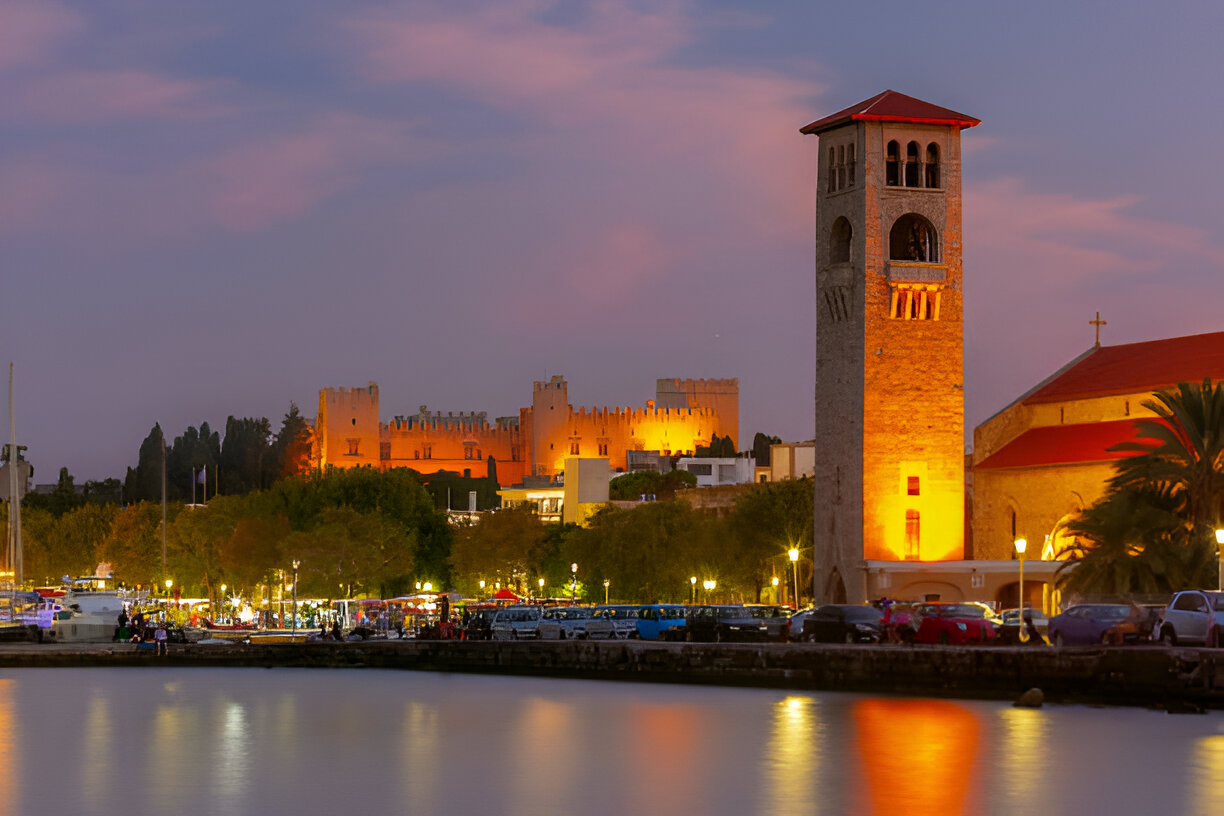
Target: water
256 741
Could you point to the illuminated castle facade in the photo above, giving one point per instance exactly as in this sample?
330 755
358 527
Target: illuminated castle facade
685 414
890 452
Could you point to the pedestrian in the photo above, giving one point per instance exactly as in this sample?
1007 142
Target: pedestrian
336 633
160 637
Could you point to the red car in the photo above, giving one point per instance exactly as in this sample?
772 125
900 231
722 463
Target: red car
958 623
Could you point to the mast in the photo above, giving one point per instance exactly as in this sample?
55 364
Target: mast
14 537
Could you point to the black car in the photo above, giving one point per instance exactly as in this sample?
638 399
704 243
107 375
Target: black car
720 623
478 625
844 623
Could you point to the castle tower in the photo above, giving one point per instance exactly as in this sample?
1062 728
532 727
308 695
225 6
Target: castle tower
347 429
889 474
549 436
722 396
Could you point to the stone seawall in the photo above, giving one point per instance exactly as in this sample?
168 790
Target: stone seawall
1173 678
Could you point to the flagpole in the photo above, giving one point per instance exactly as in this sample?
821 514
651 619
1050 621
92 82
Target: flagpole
14 555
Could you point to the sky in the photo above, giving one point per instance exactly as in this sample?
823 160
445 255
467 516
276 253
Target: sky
216 209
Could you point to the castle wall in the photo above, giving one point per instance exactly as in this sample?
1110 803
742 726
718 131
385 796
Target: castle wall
719 395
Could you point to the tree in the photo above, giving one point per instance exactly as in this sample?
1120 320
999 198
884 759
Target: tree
61 500
509 546
721 447
766 522
292 446
144 482
760 448
662 486
248 461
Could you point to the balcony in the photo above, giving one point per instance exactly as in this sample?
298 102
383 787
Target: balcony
916 272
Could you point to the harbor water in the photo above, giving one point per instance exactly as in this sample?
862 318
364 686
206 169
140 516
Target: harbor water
299 741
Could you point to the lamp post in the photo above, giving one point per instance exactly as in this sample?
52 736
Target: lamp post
606 584
693 593
793 552
573 584
296 564
222 604
541 583
774 581
1220 556
1021 545
482 587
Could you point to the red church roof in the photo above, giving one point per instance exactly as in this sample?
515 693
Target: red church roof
891 106
1064 445
1135 367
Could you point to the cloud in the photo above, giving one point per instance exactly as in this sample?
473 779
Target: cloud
31 30
119 96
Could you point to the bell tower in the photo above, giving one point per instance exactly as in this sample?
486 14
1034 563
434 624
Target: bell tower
890 443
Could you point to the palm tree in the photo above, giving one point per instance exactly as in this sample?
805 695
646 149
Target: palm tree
1182 451
1133 541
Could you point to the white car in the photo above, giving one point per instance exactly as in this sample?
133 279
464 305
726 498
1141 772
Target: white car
564 622
1190 616
516 623
615 622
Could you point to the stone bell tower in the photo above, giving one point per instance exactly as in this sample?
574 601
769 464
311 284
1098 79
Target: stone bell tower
890 475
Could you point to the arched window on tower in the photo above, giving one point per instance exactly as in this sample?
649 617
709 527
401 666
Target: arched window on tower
850 165
932 165
832 171
839 241
892 165
912 238
912 178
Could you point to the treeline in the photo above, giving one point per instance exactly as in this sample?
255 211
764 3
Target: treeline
361 532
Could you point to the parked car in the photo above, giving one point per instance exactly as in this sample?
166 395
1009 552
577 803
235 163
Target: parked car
564 622
719 623
516 623
480 622
956 623
777 622
796 621
656 620
844 623
615 621
1036 623
1191 617
1088 624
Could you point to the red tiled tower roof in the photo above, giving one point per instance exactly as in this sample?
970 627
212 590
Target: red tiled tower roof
891 106
1151 366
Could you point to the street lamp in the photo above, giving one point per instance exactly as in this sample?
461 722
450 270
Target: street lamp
1021 545
573 583
793 552
223 588
774 581
541 583
1220 556
607 583
709 587
482 586
693 593
296 564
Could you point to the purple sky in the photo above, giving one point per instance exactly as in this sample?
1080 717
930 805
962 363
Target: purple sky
218 208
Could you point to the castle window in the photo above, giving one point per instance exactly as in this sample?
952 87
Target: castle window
574 448
850 165
352 446
913 303
912 179
832 184
911 486
892 165
912 238
912 535
932 165
603 448
839 241
354 420
427 452
416 454
841 168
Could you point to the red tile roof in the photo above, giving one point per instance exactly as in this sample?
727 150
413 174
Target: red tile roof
891 106
1064 445
1135 367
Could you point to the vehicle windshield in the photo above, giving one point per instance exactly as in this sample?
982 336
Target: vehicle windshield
863 614
573 613
616 612
764 611
1110 612
955 611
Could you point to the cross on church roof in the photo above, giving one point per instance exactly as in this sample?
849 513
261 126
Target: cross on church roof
1098 323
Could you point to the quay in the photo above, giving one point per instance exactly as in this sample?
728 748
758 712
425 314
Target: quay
1176 679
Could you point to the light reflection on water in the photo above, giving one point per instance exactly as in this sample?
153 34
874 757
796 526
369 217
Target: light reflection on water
247 741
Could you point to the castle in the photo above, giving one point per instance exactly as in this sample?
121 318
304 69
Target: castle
684 415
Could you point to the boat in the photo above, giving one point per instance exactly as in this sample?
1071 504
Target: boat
90 614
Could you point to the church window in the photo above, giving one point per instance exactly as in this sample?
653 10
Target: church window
841 167
832 183
912 238
911 165
850 165
911 486
912 535
352 446
839 241
932 165
892 165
